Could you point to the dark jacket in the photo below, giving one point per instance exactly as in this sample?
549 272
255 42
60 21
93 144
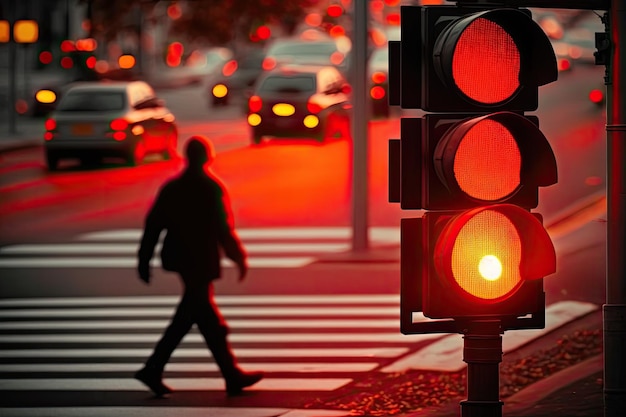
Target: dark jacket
195 212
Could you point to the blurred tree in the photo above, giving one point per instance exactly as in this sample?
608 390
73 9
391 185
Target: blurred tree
211 21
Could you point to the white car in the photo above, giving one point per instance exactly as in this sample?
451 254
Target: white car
95 120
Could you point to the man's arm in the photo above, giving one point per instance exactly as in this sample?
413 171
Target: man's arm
229 240
154 224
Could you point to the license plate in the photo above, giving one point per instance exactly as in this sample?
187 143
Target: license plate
82 129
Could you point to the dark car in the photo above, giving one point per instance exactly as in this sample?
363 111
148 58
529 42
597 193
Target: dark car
300 101
121 119
328 51
235 77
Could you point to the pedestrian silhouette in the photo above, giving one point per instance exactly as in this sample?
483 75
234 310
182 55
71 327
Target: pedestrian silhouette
194 210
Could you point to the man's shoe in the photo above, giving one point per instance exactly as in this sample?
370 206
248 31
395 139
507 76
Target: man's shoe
153 381
243 380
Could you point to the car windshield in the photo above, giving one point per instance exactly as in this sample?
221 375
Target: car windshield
304 52
299 84
92 101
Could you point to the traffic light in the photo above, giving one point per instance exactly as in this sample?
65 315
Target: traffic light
474 163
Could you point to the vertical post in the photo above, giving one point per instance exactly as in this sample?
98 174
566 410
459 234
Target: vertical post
12 13
359 127
482 351
615 308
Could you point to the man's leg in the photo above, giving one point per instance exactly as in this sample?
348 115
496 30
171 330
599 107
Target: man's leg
215 331
181 323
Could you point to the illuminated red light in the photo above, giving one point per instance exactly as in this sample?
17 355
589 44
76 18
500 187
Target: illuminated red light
564 65
313 108
255 104
377 92
596 96
263 32
481 155
334 10
393 19
486 256
229 68
48 136
50 124
269 63
486 63
67 62
337 58
379 77
119 136
91 62
119 124
45 57
67 46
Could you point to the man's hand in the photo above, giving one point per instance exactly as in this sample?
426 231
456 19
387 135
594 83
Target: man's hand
144 271
242 265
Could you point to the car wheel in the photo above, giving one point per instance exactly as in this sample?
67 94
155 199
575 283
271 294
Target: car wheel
52 161
256 139
136 155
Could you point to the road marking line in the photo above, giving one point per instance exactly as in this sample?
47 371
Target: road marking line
197 338
167 312
233 324
220 299
291 367
131 262
381 352
180 384
126 248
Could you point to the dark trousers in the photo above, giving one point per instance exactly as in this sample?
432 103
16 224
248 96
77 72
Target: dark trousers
196 306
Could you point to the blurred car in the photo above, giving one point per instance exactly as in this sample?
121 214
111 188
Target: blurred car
235 77
121 119
202 62
327 51
377 78
300 101
578 43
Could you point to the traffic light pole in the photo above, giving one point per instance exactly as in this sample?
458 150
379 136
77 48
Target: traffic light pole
482 351
615 308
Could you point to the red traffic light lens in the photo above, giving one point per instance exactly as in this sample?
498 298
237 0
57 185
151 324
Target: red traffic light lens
486 256
486 63
487 162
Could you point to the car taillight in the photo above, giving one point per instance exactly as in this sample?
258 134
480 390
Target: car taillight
255 104
313 107
229 68
269 63
119 126
50 124
596 96
377 92
379 77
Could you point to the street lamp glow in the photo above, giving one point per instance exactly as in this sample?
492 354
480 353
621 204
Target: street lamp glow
25 31
490 267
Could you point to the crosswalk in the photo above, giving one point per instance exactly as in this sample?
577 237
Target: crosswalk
266 247
309 343
304 343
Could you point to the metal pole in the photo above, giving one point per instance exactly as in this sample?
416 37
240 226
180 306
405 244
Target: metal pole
12 13
359 128
482 351
615 308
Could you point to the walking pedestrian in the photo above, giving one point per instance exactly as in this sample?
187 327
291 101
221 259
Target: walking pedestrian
194 210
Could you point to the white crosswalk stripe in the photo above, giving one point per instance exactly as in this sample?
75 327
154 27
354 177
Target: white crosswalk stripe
266 247
309 343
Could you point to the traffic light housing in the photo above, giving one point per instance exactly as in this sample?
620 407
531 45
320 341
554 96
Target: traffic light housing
462 59
475 163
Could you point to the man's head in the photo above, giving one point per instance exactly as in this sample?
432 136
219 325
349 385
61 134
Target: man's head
199 151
